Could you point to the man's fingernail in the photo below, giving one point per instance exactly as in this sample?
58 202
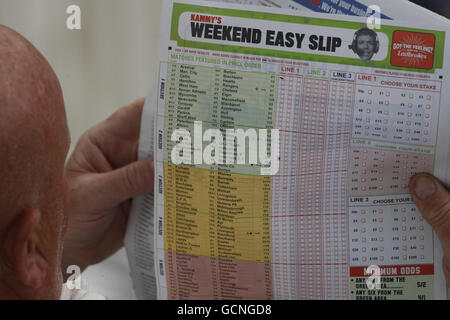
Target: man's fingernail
424 187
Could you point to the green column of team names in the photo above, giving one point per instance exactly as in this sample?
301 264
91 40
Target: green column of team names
221 99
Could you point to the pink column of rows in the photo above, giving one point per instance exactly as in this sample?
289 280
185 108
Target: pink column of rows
310 190
309 233
335 235
284 190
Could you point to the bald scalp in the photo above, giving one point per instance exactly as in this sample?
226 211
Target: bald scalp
31 119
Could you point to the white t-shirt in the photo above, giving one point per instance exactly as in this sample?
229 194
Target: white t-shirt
70 291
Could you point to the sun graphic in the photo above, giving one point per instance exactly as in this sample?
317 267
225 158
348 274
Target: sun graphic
414 52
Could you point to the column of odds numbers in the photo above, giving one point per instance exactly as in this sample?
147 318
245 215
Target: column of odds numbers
171 101
284 272
339 122
310 188
284 194
288 102
213 234
338 134
170 112
170 223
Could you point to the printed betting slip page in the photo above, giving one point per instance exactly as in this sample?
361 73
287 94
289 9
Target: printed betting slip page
344 126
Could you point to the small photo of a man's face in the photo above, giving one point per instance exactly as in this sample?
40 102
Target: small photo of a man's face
365 44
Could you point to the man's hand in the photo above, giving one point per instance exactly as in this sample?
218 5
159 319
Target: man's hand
433 201
103 175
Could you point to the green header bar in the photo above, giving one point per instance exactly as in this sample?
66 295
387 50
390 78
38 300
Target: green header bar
180 8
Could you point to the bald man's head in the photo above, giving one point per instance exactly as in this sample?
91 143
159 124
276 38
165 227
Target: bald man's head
34 142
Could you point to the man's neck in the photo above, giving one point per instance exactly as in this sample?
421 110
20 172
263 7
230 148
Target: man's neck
7 293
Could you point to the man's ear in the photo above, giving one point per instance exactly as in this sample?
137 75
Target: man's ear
22 255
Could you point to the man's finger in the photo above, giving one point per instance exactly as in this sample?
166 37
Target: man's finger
124 123
114 187
117 137
433 201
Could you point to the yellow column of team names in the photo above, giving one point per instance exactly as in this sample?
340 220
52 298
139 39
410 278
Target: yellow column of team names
217 214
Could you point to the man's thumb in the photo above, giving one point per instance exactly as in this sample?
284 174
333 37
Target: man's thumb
124 183
433 201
